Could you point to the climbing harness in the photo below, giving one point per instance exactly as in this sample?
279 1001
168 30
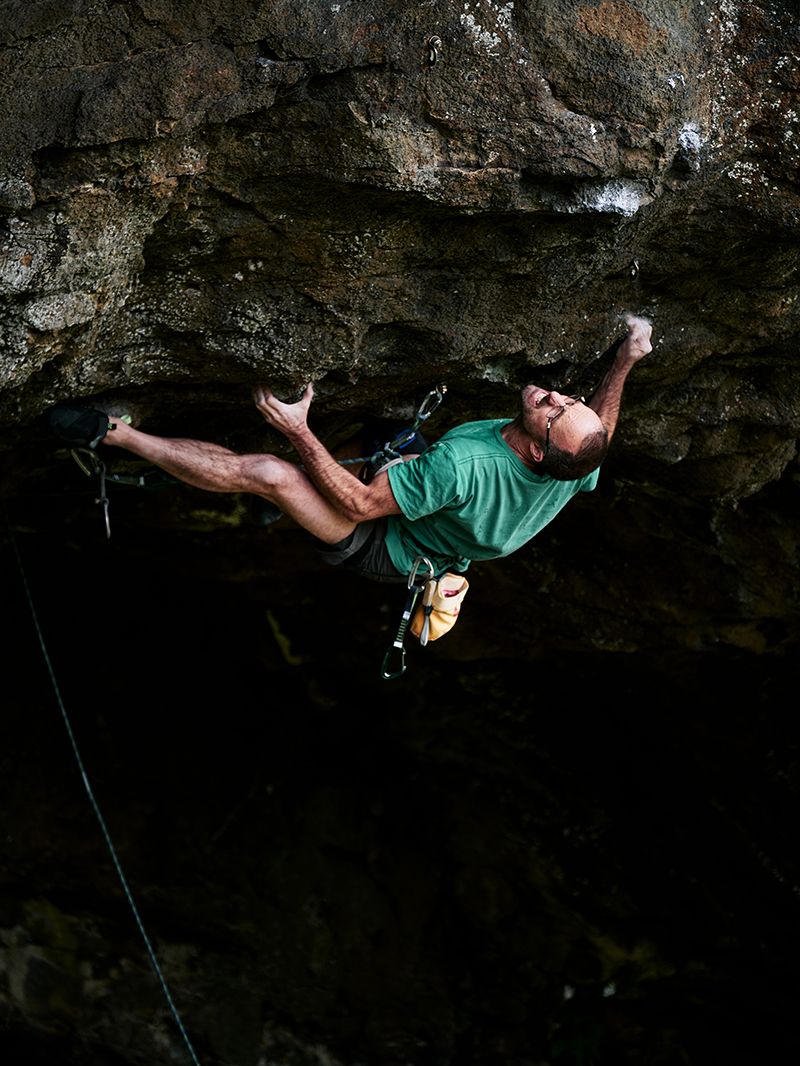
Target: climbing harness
391 451
394 661
93 466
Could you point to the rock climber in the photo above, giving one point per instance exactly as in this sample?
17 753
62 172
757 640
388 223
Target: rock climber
482 491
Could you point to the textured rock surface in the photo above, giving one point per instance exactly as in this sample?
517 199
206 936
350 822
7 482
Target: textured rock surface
534 847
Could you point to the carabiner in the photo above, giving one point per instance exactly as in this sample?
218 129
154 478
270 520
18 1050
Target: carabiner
90 467
430 403
387 674
412 574
397 643
102 499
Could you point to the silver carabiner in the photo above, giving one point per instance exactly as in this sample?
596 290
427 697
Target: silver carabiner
430 403
412 574
102 499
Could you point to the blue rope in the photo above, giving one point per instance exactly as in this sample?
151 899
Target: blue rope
100 819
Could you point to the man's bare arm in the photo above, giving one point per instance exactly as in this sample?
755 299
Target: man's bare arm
607 399
355 500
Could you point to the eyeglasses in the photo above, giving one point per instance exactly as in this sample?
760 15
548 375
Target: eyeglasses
569 401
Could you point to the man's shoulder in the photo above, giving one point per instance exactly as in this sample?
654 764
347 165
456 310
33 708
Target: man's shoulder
484 429
478 425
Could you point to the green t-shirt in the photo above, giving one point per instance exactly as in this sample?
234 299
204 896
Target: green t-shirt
469 496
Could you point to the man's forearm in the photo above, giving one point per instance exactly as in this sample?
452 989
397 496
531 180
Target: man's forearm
351 497
338 485
607 399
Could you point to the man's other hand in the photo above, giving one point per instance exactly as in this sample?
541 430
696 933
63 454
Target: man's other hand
288 418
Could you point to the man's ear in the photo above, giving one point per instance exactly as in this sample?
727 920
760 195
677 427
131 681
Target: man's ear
536 450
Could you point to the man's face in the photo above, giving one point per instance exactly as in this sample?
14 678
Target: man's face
552 417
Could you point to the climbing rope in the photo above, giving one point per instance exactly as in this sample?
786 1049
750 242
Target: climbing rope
90 793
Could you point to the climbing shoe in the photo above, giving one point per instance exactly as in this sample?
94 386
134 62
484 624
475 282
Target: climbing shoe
78 426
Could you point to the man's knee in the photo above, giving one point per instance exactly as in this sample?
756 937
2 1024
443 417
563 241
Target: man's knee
267 473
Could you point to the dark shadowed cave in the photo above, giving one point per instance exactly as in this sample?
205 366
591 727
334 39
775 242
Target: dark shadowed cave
566 859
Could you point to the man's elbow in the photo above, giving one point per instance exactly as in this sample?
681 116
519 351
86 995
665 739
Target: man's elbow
362 502
355 508
362 511
375 501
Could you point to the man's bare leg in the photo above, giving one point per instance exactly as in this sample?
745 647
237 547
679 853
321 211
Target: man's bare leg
216 469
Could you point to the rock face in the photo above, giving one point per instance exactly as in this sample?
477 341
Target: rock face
556 838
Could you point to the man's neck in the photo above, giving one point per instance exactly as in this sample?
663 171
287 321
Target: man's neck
519 442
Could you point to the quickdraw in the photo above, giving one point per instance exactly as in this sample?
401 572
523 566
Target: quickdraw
93 466
391 451
97 467
394 661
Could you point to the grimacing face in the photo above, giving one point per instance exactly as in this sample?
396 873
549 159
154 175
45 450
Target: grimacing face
553 417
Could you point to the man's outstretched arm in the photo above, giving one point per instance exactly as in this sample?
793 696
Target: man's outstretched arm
355 500
607 399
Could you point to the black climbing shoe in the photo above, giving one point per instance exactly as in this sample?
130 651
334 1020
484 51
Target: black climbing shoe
78 426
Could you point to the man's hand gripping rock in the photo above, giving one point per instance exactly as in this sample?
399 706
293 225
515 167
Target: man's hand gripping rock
291 419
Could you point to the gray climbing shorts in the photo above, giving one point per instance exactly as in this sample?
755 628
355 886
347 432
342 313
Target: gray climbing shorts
364 552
